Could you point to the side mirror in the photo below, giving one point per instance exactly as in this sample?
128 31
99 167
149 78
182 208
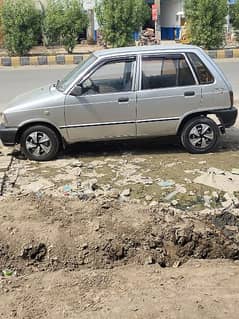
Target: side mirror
77 90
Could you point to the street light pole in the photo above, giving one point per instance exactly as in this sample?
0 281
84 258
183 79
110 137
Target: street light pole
157 22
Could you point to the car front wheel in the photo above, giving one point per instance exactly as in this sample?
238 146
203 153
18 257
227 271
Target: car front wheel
39 143
200 135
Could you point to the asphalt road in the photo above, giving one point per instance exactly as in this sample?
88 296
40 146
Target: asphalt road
14 81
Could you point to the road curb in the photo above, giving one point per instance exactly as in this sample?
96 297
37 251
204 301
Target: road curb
223 54
62 59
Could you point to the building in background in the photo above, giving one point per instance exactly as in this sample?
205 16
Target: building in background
170 18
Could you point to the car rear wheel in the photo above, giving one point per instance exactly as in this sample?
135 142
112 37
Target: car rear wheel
39 143
200 135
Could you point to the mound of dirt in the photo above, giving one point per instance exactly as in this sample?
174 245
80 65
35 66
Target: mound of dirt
44 234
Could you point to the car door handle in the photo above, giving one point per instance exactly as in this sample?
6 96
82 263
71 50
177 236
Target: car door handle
123 100
189 93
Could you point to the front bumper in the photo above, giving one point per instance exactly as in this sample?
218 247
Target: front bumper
227 116
8 135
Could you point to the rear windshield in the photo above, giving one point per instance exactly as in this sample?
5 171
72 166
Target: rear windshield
73 75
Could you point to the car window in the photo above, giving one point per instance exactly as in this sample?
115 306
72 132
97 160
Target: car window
72 76
185 76
203 74
163 72
111 77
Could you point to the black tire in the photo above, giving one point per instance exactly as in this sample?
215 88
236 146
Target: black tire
200 135
39 143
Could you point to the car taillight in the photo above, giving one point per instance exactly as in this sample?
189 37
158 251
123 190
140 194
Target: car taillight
231 98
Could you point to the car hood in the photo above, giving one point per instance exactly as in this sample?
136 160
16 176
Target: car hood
40 97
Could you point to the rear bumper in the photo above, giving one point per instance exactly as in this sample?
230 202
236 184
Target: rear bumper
8 135
227 116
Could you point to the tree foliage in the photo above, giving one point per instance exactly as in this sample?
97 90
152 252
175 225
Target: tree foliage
118 19
234 14
21 25
63 21
206 20
52 22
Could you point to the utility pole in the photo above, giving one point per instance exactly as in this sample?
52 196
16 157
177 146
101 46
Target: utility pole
157 22
89 5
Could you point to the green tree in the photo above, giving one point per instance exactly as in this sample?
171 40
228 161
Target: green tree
63 21
118 19
206 20
52 22
234 15
21 23
74 21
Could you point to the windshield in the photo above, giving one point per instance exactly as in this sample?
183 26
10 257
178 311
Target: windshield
72 75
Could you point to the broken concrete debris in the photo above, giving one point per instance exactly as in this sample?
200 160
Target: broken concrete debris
126 178
219 179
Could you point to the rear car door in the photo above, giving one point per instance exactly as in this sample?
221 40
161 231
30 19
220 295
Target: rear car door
168 89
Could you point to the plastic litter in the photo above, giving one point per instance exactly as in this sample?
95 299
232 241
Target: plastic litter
8 273
168 183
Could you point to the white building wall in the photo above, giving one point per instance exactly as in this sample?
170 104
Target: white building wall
168 12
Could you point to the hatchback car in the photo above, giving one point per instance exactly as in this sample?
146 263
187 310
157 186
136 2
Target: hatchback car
125 93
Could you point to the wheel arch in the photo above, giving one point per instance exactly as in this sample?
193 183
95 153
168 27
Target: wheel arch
49 125
192 116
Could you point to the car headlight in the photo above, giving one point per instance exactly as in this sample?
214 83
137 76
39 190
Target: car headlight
3 119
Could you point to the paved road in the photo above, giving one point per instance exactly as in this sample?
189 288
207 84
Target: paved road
18 80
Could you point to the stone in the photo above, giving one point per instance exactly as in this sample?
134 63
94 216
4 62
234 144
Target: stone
174 202
149 261
126 192
207 200
153 203
148 198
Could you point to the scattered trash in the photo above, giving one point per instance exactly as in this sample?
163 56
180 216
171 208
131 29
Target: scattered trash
179 189
171 195
8 273
168 183
67 189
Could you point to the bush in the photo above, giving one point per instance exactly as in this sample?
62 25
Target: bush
118 19
234 14
63 21
21 23
206 20
52 22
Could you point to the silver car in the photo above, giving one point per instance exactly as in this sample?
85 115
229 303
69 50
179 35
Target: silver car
125 93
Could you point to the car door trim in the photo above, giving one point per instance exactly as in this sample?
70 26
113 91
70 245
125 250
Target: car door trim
120 122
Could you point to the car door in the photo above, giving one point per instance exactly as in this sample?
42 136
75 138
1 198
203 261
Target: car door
106 107
168 89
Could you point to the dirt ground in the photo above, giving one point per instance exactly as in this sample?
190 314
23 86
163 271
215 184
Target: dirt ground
76 260
122 230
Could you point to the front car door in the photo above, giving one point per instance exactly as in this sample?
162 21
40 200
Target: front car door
168 90
106 107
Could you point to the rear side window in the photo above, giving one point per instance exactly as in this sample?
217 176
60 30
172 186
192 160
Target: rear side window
203 74
163 72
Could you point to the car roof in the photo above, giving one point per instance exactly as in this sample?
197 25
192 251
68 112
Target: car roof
142 49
